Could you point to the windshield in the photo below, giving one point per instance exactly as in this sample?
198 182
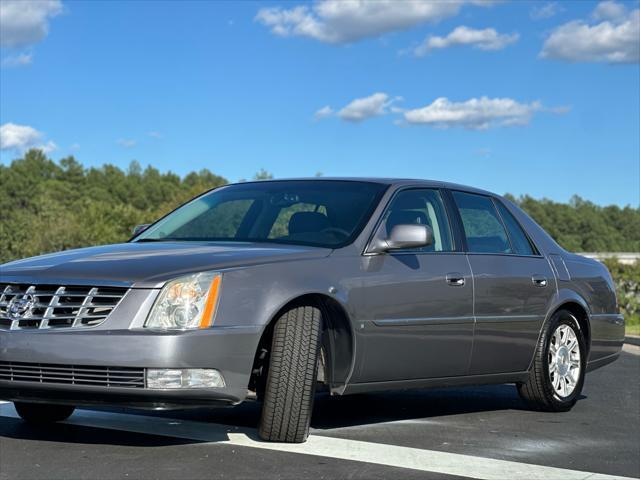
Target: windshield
323 213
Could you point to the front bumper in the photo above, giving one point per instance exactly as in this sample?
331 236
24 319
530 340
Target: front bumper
230 350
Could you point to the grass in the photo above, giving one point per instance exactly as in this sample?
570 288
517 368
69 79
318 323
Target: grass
632 330
632 325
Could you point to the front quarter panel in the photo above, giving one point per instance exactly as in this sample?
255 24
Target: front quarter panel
254 295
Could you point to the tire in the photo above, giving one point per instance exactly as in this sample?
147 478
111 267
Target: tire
42 413
543 391
291 378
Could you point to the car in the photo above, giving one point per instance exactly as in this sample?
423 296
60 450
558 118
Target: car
270 290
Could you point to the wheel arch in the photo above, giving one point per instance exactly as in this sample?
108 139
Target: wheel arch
338 340
582 316
577 306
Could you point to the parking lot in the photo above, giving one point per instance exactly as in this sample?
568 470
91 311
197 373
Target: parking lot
481 432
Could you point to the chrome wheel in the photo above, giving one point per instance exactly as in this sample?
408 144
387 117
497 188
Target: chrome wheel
564 360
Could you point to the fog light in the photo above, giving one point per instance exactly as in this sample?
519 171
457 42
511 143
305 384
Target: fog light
184 378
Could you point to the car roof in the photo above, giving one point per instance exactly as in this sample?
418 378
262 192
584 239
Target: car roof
396 182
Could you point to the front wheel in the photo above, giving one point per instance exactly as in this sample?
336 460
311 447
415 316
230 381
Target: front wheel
42 413
291 379
557 375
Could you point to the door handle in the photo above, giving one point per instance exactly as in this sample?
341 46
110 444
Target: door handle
539 280
455 279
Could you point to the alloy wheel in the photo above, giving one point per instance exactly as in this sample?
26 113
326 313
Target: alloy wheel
564 360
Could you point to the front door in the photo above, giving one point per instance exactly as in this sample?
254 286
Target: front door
415 307
513 285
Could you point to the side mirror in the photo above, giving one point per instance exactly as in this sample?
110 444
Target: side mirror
405 236
140 228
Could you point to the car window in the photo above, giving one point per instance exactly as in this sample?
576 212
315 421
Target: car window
519 239
483 229
422 207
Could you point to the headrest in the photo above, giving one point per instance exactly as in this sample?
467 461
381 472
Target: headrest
307 222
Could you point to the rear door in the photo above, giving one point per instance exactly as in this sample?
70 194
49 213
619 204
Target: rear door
513 285
416 305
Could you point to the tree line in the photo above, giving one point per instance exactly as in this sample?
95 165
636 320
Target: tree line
47 206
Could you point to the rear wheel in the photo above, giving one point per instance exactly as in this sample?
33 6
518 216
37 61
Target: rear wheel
42 413
557 376
291 379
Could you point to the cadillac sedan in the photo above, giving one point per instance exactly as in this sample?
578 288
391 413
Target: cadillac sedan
270 290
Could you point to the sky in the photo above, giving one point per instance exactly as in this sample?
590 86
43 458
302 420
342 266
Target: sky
538 98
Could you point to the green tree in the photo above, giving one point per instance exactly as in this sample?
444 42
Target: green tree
263 175
47 206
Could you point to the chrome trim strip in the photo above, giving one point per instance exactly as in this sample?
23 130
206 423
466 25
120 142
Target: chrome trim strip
400 322
428 321
508 318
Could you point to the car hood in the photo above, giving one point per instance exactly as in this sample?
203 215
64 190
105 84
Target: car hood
147 265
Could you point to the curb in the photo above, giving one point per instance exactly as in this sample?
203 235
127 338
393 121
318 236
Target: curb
633 340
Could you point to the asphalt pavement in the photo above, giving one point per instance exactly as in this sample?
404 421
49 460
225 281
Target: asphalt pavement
476 432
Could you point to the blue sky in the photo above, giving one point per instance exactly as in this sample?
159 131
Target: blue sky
540 98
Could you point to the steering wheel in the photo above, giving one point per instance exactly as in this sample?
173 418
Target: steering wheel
336 230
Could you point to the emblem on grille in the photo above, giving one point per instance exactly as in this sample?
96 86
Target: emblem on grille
20 306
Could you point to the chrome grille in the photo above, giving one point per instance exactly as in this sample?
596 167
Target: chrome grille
25 306
124 377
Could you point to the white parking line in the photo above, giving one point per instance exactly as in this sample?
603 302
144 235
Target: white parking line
338 448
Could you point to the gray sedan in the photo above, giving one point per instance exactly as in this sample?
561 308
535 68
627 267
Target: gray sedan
271 290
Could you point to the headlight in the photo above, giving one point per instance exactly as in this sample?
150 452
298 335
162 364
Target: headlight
186 302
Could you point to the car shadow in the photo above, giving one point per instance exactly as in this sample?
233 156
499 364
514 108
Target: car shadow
77 434
370 409
329 413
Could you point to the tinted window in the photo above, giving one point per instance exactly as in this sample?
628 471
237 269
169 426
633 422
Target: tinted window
324 213
422 207
483 229
519 239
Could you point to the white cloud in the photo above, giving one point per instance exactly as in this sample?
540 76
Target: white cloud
324 112
361 109
126 142
345 21
25 22
475 113
368 107
18 137
609 10
23 137
486 39
20 60
548 10
154 134
614 40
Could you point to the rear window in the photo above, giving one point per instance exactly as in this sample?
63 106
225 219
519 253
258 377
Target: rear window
483 229
519 239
